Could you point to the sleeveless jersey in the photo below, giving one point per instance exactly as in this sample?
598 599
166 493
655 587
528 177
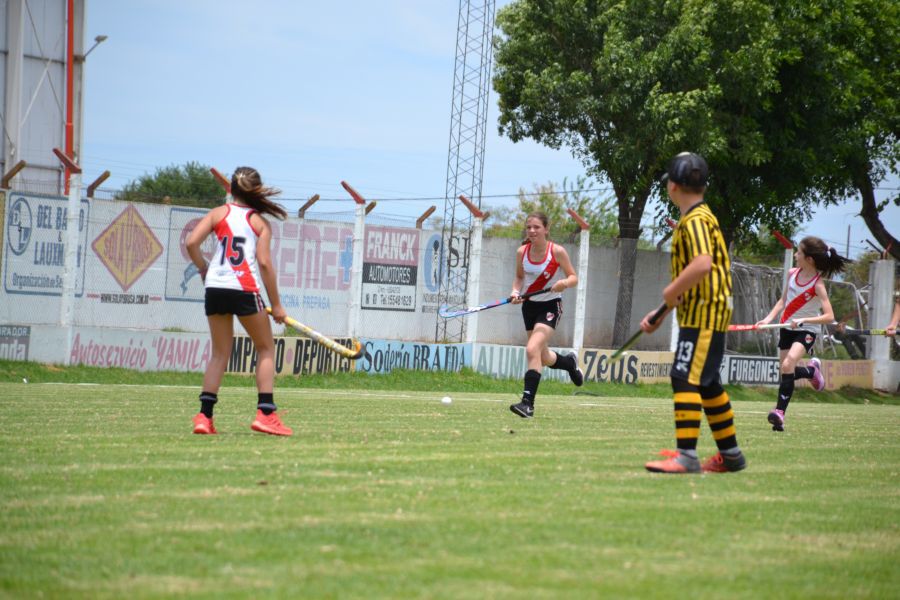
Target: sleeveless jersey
541 274
801 300
233 266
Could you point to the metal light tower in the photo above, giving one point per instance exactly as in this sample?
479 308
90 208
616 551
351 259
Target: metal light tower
465 163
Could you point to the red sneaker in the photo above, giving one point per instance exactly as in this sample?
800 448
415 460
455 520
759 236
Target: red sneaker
203 425
719 463
673 464
270 424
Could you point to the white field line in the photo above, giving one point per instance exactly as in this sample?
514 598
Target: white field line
500 398
600 405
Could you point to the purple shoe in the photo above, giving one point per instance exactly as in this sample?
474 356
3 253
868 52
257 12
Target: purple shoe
818 380
776 418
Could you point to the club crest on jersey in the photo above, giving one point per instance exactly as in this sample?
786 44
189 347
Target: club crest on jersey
546 274
550 316
809 339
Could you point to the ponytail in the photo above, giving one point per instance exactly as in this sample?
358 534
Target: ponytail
825 257
246 186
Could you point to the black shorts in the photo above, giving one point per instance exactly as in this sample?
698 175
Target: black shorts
547 313
220 301
787 337
698 356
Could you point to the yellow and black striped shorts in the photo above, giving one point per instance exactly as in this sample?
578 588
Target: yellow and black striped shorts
698 356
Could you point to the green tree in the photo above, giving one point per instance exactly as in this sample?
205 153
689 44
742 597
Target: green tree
627 85
831 129
597 211
191 184
772 94
856 64
760 247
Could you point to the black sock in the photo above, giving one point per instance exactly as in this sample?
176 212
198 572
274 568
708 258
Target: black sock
803 372
566 362
785 391
207 401
532 380
266 403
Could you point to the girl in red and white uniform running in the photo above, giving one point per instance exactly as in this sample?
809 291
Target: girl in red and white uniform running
805 306
242 264
540 264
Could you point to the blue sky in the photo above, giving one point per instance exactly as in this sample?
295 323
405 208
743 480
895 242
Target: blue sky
310 93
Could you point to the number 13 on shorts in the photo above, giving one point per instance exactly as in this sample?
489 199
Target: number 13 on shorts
698 355
684 354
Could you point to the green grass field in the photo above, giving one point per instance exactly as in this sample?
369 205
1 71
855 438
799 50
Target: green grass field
107 494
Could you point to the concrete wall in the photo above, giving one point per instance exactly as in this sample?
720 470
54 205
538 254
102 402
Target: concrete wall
504 325
133 272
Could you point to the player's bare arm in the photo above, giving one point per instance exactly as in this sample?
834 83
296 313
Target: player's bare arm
266 268
519 278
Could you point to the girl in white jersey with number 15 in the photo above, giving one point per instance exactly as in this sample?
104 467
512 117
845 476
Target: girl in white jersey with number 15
234 277
805 306
541 264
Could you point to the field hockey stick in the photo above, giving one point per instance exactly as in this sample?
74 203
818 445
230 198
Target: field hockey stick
621 352
445 312
355 352
848 330
758 327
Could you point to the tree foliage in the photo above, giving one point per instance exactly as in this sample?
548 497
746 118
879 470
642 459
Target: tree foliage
599 212
760 247
791 102
191 184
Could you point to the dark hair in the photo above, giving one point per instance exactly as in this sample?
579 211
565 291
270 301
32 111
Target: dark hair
246 186
825 257
540 217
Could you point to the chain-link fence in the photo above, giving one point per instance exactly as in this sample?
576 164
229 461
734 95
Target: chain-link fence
756 290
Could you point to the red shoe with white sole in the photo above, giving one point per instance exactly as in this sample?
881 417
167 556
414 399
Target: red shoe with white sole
270 424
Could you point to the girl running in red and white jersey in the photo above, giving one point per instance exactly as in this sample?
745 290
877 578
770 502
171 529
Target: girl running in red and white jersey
805 306
242 264
540 264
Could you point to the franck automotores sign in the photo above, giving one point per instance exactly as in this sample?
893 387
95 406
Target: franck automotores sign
390 269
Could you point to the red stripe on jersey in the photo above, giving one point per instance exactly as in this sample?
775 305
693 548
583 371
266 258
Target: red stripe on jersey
801 300
242 269
541 280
